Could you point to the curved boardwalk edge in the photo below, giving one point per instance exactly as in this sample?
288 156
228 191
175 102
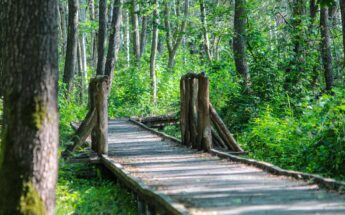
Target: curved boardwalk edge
326 183
157 199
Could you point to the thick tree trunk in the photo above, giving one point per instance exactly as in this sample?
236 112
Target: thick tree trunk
204 29
72 43
28 149
239 43
101 36
114 40
136 33
155 23
342 10
326 53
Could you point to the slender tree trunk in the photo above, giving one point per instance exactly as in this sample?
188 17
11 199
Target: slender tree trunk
82 43
342 10
204 29
127 38
72 43
298 34
239 43
326 53
93 40
143 35
153 76
136 33
313 9
114 40
101 36
174 40
62 10
28 149
81 73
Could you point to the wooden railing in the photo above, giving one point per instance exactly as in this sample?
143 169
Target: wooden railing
96 120
201 126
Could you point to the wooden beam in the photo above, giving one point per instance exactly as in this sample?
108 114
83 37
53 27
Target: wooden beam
223 131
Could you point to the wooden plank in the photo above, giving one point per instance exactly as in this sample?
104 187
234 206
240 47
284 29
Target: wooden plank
144 191
206 184
223 131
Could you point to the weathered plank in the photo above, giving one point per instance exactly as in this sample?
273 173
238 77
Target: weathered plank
204 184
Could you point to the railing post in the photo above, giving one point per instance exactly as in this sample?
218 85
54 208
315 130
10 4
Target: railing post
99 100
195 114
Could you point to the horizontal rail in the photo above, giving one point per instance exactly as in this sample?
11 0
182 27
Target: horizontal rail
326 183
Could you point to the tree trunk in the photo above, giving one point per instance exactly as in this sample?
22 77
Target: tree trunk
72 43
101 36
204 29
155 23
127 37
174 40
239 43
28 149
326 48
298 11
136 33
143 35
62 10
342 10
92 17
114 40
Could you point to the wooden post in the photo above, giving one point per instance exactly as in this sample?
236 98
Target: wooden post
183 109
193 114
204 129
99 100
102 115
187 112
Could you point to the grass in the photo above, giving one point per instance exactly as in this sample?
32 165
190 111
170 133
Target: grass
83 189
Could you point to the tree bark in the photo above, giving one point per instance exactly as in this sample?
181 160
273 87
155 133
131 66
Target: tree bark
28 149
204 29
143 35
72 43
326 53
114 40
101 36
204 121
136 33
342 10
174 39
239 43
62 10
155 23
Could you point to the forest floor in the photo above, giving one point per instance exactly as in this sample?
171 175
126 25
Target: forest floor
88 189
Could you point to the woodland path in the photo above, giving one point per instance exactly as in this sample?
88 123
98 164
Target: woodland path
173 179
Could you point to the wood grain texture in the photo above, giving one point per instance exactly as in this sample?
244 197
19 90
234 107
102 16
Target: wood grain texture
205 184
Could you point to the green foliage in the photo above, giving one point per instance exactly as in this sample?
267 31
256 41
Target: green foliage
71 110
312 142
81 189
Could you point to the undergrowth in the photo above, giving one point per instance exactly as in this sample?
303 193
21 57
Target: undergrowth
82 189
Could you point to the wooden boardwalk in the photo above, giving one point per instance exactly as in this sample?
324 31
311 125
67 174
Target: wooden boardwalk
173 179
